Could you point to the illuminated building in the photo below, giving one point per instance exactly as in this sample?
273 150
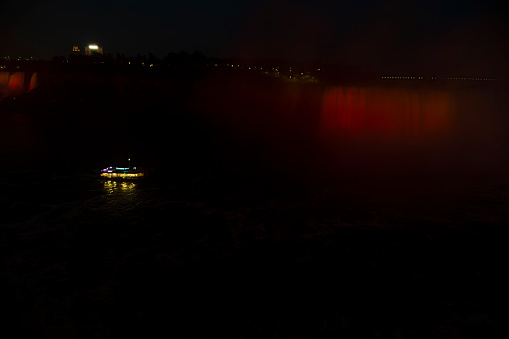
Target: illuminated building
92 49
75 49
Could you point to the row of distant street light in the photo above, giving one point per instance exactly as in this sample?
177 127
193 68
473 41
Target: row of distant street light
277 71
435 78
8 58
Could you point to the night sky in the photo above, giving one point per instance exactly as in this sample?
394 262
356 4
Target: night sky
463 36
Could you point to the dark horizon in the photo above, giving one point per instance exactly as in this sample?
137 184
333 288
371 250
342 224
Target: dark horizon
463 37
326 69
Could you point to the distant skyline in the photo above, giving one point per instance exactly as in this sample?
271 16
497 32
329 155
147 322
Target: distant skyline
467 36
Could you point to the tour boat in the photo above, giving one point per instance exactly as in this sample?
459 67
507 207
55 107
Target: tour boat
122 172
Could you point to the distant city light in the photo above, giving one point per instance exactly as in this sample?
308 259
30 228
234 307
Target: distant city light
93 47
437 78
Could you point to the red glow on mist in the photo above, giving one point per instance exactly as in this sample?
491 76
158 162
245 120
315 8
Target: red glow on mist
34 83
16 81
385 112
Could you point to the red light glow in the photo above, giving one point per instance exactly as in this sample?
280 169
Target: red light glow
34 82
16 81
385 112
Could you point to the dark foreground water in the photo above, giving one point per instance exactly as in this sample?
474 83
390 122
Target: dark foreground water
332 225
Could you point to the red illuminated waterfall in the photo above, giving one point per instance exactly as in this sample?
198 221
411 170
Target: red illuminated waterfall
34 82
16 81
385 112
4 79
13 83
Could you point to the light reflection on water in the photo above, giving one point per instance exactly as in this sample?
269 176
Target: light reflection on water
121 195
125 187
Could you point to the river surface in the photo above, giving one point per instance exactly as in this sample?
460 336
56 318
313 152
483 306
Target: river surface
274 203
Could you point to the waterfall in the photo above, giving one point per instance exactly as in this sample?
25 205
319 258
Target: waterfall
385 112
4 80
34 82
13 83
16 81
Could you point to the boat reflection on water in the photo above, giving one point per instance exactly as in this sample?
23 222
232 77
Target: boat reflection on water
124 187
121 197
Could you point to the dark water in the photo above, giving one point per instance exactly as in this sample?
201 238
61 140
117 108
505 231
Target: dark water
306 213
